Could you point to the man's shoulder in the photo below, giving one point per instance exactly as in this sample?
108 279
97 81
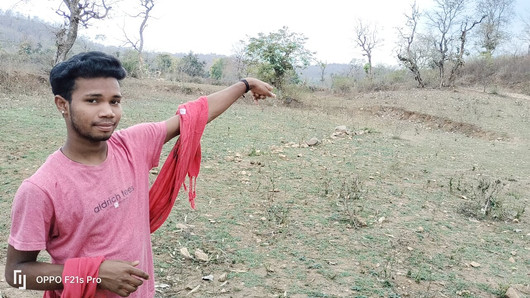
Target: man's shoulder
141 142
47 173
139 129
50 165
148 132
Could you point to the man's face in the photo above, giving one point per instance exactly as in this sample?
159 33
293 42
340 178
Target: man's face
95 109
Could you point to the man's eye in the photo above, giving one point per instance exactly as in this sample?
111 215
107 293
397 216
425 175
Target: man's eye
115 102
92 100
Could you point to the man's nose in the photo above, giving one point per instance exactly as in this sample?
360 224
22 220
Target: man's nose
107 111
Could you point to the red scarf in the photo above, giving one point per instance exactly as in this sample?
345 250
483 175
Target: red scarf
79 279
184 159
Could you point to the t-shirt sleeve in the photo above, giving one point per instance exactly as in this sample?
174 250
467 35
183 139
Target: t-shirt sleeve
31 218
145 140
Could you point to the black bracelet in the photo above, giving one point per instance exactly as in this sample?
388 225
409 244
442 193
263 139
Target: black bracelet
246 84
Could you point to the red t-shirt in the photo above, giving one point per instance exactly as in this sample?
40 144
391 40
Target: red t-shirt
75 210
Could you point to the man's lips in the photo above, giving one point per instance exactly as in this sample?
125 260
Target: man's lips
105 126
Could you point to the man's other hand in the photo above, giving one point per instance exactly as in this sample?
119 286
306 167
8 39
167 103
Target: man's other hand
121 277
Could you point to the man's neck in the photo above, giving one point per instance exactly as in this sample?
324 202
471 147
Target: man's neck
88 153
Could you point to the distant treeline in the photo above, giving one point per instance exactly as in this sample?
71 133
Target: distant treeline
27 44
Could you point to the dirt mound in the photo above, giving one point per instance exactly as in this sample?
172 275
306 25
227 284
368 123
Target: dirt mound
435 122
22 82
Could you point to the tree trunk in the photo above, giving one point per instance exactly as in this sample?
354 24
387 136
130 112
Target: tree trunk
77 13
65 40
370 75
410 60
417 77
459 62
441 73
413 67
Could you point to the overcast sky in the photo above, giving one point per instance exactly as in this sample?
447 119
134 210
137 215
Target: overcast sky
214 26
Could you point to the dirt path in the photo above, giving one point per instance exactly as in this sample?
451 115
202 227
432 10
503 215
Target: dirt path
502 93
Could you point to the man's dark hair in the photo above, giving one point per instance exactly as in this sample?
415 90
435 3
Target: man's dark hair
85 65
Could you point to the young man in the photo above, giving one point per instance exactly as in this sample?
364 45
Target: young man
90 198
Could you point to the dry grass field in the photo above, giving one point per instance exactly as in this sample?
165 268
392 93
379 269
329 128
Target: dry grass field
413 193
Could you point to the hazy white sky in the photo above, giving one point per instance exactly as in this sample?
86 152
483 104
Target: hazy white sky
214 26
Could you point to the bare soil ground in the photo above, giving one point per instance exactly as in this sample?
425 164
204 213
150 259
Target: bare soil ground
390 208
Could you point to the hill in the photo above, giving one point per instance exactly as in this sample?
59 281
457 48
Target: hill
16 29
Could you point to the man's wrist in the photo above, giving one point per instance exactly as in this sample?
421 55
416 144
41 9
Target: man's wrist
247 85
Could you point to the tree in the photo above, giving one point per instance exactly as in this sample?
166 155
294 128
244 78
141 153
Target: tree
129 61
322 65
240 59
278 54
164 63
526 34
443 19
191 65
407 55
216 70
366 39
138 45
458 61
78 12
497 16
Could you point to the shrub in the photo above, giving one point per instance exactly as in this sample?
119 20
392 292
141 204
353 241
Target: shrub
485 200
350 198
342 85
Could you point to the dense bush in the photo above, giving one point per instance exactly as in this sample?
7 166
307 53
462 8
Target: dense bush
509 71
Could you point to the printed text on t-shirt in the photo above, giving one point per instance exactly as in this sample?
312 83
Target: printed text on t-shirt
114 200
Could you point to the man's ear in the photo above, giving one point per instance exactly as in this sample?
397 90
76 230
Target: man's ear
62 104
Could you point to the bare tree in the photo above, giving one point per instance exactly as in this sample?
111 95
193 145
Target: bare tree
366 39
498 14
77 12
458 61
525 34
138 45
407 54
322 65
240 59
443 19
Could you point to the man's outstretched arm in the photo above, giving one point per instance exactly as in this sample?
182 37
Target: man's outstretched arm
220 101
